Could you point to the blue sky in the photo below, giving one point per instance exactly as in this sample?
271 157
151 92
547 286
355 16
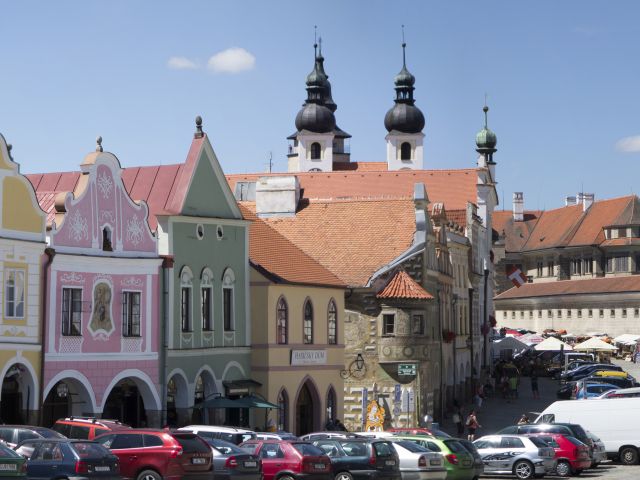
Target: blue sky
563 82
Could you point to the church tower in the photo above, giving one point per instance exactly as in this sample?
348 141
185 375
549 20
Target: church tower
318 142
404 122
486 142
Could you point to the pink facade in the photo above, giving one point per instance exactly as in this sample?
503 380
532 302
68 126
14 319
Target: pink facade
103 294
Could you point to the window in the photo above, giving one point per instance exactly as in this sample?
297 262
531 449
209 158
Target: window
405 151
205 299
612 312
228 281
588 266
521 313
71 311
185 309
504 315
418 324
569 313
388 324
282 322
130 314
590 313
576 267
550 268
622 264
539 269
624 313
511 442
550 313
539 313
636 312
307 329
559 313
530 313
315 151
283 411
579 313
513 314
332 405
14 293
332 323
106 240
601 313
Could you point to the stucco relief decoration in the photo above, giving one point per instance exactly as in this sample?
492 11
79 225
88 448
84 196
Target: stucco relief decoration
107 216
131 282
101 325
135 230
105 184
78 228
71 277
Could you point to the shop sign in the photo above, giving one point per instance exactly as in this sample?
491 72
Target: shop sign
408 369
308 357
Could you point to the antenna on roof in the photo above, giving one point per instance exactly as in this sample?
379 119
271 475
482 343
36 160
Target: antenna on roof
270 161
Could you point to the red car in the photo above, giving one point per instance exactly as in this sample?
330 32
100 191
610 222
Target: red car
148 454
572 455
283 460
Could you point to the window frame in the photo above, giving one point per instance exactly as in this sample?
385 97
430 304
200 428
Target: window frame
186 299
385 323
307 322
66 324
332 323
206 308
315 151
421 330
282 321
127 314
228 300
404 155
15 304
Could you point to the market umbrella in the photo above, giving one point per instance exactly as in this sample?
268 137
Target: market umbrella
253 401
531 338
627 339
594 344
552 344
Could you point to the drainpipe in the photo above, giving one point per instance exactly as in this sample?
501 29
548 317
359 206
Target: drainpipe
50 253
441 357
471 345
167 265
454 301
486 319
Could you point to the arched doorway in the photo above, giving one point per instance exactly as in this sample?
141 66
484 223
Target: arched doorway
307 409
125 403
205 388
68 393
18 395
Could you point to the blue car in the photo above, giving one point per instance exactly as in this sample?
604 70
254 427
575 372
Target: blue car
592 390
65 458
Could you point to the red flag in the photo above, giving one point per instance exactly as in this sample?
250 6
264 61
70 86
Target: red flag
516 276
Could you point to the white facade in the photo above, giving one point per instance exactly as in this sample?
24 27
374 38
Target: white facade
302 160
394 151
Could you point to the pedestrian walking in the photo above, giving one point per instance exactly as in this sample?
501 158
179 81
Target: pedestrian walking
472 425
457 420
513 387
534 385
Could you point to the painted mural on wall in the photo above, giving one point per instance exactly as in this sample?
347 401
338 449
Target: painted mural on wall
101 325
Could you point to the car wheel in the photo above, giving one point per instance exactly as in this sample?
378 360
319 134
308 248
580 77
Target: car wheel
286 477
563 468
149 475
523 469
628 456
343 476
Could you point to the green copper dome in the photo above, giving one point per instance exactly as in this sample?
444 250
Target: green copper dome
486 139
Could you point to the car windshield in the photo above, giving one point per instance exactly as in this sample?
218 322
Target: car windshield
192 443
539 442
575 441
455 446
307 449
226 448
411 446
579 433
593 437
90 450
46 433
7 452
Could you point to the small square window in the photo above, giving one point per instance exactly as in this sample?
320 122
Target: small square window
579 313
636 312
612 312
624 313
550 313
539 313
601 313
504 314
530 313
559 313
388 324
521 314
569 313
590 313
513 314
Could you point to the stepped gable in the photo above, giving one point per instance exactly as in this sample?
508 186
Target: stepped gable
403 286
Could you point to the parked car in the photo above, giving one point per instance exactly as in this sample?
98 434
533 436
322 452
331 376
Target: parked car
569 429
418 462
572 456
478 464
148 454
279 435
230 462
285 460
12 464
12 435
620 382
621 393
432 432
310 437
86 428
592 390
586 371
524 457
360 459
457 459
66 458
228 434
599 452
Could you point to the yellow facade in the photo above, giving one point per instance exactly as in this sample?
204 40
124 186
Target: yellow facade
273 365
19 213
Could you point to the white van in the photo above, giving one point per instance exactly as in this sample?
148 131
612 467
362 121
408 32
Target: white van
616 421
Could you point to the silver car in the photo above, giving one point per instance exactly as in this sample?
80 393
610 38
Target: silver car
524 457
418 462
599 451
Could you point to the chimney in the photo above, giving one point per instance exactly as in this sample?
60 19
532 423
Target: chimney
277 196
587 200
518 206
570 200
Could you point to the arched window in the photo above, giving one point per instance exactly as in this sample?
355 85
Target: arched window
405 151
228 313
186 282
315 151
332 323
307 333
206 299
107 246
283 410
331 404
282 322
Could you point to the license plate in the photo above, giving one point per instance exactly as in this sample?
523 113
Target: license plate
8 466
466 463
390 462
198 461
105 468
434 462
319 466
250 464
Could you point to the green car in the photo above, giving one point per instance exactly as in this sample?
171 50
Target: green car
458 460
12 464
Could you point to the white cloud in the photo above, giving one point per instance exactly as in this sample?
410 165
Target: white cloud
232 60
182 63
629 144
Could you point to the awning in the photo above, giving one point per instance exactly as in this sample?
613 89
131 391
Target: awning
253 401
219 402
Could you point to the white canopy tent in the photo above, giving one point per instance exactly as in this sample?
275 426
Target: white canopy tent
507 343
594 344
531 338
627 339
552 344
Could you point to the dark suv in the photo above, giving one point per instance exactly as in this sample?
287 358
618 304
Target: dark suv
149 454
361 459
14 434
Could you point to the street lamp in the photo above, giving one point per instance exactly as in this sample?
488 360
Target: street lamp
356 368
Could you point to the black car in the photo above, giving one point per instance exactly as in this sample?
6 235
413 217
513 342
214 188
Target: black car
12 435
478 464
64 458
361 459
586 371
230 462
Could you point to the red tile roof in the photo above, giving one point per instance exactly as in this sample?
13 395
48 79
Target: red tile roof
274 253
454 188
361 166
574 287
403 286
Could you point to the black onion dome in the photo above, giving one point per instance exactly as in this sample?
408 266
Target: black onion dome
315 118
404 78
405 118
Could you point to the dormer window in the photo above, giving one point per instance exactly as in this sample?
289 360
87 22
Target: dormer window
405 151
106 240
315 151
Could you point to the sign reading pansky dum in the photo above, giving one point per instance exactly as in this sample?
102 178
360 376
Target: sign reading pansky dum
308 357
